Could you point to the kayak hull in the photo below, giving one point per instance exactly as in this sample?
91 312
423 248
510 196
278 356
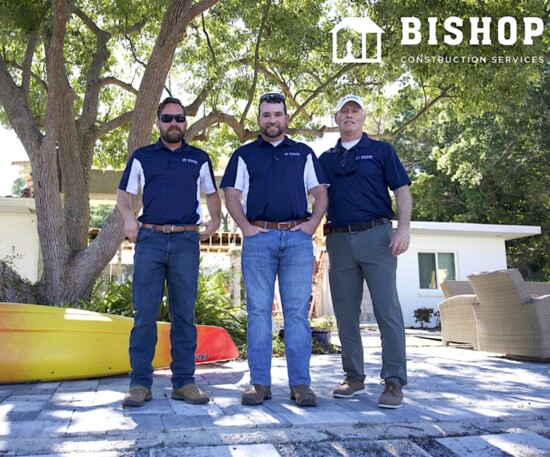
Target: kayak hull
46 343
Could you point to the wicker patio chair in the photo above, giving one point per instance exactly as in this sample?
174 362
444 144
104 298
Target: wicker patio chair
509 320
537 289
452 288
458 323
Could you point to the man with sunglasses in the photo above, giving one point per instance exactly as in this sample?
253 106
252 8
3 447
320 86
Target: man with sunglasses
266 185
362 246
170 174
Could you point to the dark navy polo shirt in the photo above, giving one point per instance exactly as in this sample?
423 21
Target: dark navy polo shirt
171 182
274 181
362 195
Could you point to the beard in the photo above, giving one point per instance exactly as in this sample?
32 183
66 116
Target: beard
272 131
172 135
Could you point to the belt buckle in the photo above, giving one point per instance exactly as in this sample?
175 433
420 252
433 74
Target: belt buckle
351 231
170 227
283 225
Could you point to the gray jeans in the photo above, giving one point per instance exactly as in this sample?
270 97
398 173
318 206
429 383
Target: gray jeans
355 258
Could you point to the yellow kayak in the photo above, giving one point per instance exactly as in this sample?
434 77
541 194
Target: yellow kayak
46 343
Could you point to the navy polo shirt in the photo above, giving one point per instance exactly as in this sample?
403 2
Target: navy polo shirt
171 182
362 195
274 180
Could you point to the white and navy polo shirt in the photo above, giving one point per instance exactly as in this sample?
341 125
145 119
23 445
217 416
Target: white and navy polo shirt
362 194
171 182
274 180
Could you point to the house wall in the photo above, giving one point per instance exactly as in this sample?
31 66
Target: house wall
19 243
471 254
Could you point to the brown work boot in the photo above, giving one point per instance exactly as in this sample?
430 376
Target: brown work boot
350 387
302 395
137 396
392 397
190 393
256 394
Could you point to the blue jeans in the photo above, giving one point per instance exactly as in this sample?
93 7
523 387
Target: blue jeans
172 258
264 256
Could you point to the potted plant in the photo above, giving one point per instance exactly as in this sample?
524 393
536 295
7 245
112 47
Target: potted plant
321 327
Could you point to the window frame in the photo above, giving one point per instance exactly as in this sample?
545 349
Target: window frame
435 253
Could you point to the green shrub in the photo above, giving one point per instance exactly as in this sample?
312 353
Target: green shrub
99 214
110 297
213 306
423 316
278 344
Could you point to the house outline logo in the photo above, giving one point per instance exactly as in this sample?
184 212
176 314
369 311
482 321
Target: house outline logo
363 26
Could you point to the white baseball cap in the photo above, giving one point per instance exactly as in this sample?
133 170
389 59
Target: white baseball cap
349 98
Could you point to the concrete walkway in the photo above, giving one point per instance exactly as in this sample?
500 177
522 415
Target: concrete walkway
459 402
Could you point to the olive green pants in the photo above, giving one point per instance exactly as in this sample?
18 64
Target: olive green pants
355 258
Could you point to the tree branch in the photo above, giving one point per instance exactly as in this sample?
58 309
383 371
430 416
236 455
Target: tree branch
192 109
216 117
290 99
27 63
200 7
178 15
322 87
17 109
33 75
130 30
442 95
314 77
88 22
214 60
256 61
111 80
133 51
90 106
243 134
111 125
137 27
60 106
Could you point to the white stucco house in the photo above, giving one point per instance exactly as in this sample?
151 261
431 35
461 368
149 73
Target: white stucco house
438 251
19 244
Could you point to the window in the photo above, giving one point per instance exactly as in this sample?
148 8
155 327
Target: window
434 268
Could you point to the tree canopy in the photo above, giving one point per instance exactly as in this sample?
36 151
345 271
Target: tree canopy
80 80
489 167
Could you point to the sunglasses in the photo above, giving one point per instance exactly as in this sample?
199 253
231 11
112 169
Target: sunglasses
167 118
341 164
272 96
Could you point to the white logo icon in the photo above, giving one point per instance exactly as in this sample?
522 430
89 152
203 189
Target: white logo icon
362 26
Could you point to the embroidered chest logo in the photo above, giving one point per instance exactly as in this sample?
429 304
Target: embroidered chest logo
291 154
365 157
186 160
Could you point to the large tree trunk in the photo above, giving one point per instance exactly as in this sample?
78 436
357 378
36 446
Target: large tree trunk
71 267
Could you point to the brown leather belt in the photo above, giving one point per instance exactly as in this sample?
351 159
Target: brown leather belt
171 228
354 228
278 225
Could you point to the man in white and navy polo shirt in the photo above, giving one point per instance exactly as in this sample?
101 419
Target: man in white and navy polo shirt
266 186
171 175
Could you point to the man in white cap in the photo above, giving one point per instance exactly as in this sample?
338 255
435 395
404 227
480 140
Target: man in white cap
362 246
